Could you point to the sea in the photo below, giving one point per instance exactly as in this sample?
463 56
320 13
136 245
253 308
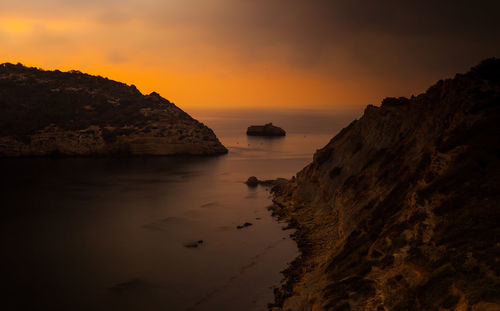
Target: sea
113 233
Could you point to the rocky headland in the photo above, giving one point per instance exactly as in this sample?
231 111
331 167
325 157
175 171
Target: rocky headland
45 113
401 209
265 130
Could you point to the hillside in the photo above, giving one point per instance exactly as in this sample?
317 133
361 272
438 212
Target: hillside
400 210
71 113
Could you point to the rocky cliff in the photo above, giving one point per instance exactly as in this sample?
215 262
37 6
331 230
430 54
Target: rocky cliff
401 209
71 113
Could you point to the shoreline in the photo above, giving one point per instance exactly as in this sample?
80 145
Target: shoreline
306 245
398 210
291 272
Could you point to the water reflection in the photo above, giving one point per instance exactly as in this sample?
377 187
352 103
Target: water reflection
111 233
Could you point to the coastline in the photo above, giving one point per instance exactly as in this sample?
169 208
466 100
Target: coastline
291 273
310 247
397 210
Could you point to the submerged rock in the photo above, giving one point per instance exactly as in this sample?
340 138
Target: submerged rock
193 244
265 130
246 224
44 113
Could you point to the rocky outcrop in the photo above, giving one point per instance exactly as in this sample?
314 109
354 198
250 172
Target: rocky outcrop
70 113
401 209
253 181
265 130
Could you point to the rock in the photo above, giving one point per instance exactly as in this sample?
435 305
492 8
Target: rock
246 224
399 211
193 244
265 130
45 113
254 182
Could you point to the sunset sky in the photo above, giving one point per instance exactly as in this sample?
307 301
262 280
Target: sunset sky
255 53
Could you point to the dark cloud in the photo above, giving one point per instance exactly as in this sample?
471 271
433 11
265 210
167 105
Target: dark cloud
386 40
345 36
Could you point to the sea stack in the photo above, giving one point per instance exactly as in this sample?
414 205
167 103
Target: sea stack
45 113
265 130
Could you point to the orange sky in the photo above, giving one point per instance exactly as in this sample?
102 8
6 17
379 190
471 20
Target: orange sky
221 53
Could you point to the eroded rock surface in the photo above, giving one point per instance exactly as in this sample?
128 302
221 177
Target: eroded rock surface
71 113
401 209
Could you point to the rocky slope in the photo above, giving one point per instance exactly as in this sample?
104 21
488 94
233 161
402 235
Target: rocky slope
400 210
71 113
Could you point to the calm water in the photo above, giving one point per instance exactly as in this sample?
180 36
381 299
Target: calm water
109 234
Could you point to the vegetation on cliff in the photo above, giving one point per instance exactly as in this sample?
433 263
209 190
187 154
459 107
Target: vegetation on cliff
47 112
400 210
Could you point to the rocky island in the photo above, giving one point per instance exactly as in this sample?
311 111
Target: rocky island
265 130
401 209
45 113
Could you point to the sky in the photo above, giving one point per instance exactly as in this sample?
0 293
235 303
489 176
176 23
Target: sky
335 54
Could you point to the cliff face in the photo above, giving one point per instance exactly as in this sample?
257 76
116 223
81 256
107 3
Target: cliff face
70 113
400 210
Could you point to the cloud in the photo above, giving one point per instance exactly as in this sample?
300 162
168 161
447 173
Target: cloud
386 42
305 34
420 35
116 57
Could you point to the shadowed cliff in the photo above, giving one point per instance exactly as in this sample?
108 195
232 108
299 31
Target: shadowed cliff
71 113
400 210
